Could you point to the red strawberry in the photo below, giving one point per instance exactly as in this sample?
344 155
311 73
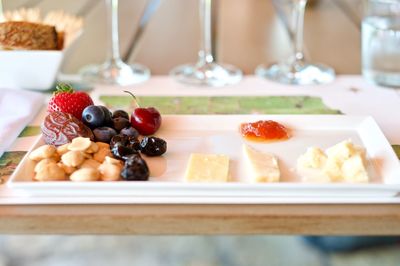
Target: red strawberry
66 100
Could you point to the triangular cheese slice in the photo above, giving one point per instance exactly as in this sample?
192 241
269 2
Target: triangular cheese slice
263 166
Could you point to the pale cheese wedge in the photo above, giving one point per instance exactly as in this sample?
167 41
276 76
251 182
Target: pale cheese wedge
207 168
263 166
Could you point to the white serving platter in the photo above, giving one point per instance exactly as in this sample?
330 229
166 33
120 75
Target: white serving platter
219 134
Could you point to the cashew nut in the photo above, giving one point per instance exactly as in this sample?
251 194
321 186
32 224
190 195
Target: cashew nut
40 164
67 169
43 152
50 172
110 172
56 157
73 158
85 174
79 144
62 149
90 163
93 148
103 145
111 160
101 154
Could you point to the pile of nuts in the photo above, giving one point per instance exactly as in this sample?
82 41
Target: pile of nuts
80 160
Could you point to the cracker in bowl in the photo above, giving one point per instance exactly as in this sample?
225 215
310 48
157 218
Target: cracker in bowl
20 35
25 29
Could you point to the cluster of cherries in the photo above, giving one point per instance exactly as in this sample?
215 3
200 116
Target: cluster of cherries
122 133
105 125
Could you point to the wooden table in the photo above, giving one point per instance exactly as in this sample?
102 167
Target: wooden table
202 219
250 32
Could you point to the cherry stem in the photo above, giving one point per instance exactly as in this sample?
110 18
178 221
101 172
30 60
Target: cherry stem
136 104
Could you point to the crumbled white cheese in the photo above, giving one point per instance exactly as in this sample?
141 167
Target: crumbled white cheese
343 162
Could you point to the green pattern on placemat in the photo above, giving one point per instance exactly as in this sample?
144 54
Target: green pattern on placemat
225 104
30 131
396 149
9 161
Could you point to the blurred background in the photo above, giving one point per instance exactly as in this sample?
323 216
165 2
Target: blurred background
248 32
181 251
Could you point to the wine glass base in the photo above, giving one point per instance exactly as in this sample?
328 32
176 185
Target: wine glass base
210 74
117 73
298 73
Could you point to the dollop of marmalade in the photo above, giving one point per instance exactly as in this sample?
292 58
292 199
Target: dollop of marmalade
264 130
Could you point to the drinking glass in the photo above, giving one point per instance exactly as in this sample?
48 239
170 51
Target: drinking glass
296 69
114 71
381 42
206 71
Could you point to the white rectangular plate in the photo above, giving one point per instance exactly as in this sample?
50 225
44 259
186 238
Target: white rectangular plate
219 134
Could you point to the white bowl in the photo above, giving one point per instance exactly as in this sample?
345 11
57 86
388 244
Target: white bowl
34 70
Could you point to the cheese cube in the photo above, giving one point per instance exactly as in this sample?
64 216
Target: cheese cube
343 151
354 171
313 158
333 169
264 166
207 168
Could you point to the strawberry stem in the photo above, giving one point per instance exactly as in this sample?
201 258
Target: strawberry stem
136 101
63 87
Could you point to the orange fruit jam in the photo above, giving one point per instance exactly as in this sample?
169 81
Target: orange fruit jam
264 130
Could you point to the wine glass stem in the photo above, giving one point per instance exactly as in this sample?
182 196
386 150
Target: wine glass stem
205 53
112 21
1 11
298 30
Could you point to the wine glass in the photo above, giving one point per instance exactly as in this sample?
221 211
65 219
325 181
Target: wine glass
297 70
1 10
206 71
114 71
